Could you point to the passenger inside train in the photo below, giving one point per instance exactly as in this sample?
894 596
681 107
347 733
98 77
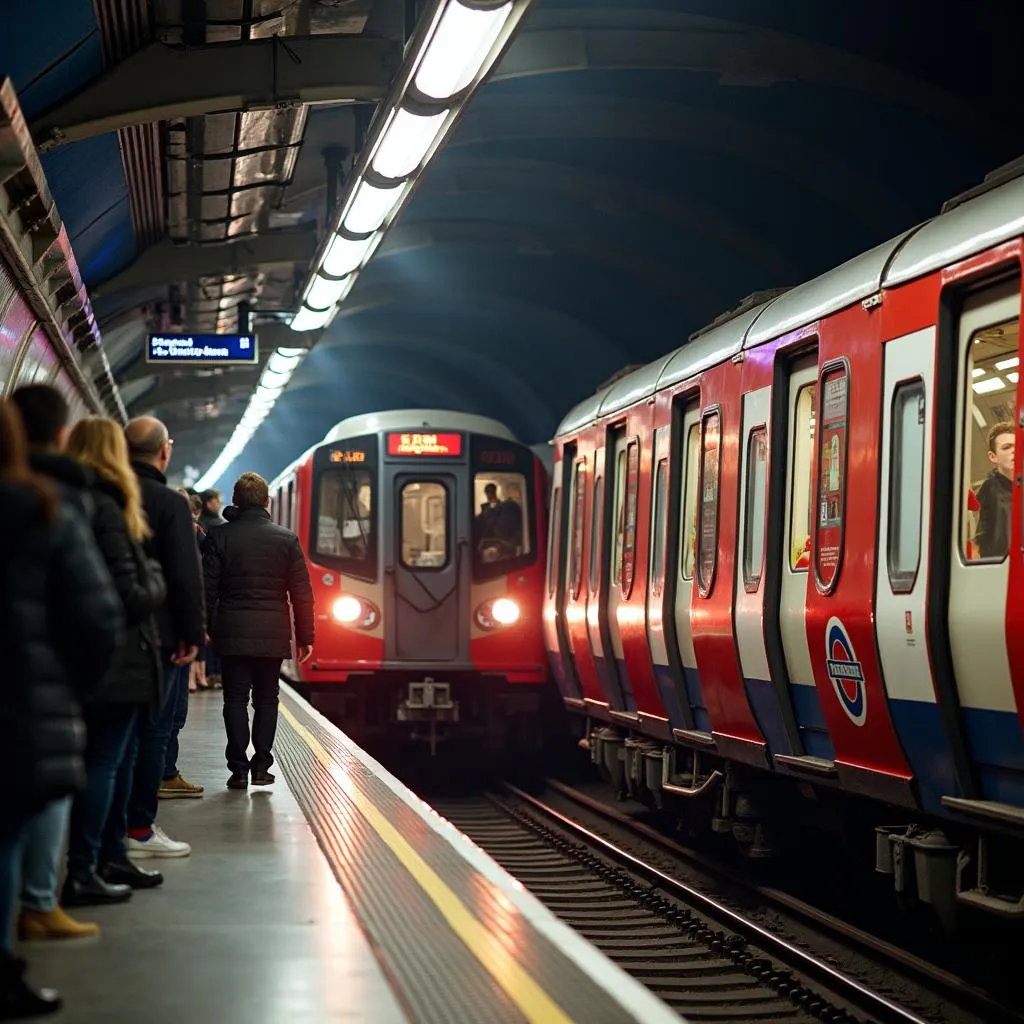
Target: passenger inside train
993 369
499 525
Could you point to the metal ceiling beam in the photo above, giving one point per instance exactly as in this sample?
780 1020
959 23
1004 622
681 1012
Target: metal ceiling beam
167 261
160 81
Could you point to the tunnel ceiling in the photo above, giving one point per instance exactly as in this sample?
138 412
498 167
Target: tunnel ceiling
632 170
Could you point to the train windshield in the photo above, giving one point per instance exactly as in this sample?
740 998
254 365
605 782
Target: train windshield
343 532
503 535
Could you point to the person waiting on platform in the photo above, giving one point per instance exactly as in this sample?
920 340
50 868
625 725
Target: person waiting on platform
252 568
99 870
60 623
995 494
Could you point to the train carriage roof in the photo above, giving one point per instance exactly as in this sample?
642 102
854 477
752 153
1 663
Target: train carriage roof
417 419
988 215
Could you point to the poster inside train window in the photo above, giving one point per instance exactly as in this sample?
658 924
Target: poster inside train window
629 539
832 446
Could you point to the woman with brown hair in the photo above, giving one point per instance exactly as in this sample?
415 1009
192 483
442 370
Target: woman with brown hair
99 870
60 623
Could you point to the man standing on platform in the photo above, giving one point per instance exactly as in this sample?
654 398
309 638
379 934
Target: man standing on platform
252 570
182 627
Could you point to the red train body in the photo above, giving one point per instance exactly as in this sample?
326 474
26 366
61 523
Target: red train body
769 580
428 584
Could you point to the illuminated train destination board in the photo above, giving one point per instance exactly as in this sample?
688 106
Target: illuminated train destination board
202 348
425 444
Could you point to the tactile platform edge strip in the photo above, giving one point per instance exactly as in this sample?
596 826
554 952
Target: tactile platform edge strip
434 972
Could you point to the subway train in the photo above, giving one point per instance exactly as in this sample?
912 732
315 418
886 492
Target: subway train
785 581
424 531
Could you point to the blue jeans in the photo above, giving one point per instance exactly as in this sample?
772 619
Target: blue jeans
155 725
11 829
42 847
111 731
180 716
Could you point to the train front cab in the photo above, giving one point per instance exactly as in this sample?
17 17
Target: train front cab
414 605
809 584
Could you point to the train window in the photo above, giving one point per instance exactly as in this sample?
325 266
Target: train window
707 538
553 538
578 527
906 485
620 515
754 512
803 470
688 552
501 530
289 507
424 525
992 369
659 522
345 514
597 516
833 439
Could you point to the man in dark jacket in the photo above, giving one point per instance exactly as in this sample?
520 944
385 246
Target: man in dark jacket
995 495
181 627
252 568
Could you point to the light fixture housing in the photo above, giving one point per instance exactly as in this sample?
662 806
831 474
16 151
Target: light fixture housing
453 49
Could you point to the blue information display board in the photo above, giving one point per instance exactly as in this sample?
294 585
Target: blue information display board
201 348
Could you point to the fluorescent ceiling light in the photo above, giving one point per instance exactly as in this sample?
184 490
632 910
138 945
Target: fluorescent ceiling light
983 387
458 49
326 292
344 255
1005 364
310 319
978 371
406 141
1012 377
370 208
979 417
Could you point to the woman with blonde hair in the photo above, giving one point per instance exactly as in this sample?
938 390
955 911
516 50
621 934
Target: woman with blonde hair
99 870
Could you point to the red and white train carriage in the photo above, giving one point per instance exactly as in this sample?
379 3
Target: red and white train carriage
424 532
763 561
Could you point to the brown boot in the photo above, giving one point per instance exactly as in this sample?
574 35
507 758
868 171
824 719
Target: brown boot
53 924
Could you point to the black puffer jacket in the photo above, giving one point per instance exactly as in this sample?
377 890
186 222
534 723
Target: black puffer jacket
252 568
135 677
72 480
60 623
173 545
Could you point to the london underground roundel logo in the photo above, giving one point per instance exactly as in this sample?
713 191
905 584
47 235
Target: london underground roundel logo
845 671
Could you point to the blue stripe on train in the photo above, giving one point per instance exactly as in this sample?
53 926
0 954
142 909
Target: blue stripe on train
994 740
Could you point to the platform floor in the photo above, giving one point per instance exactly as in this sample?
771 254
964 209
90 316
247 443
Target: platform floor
336 896
251 929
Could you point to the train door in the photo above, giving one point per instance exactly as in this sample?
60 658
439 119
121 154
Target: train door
799 448
689 438
748 597
903 579
570 563
659 612
987 358
625 470
427 567
597 572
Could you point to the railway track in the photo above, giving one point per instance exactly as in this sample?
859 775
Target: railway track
699 956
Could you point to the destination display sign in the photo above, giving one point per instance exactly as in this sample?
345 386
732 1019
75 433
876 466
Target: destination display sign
201 348
425 444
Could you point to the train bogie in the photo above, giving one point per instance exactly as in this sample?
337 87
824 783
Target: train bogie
424 532
786 563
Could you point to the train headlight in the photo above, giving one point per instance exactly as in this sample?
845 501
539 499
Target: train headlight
353 611
505 611
500 611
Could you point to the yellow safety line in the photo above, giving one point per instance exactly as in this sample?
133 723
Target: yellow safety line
534 1003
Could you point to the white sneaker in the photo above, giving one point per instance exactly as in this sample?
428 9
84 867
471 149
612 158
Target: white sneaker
159 844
